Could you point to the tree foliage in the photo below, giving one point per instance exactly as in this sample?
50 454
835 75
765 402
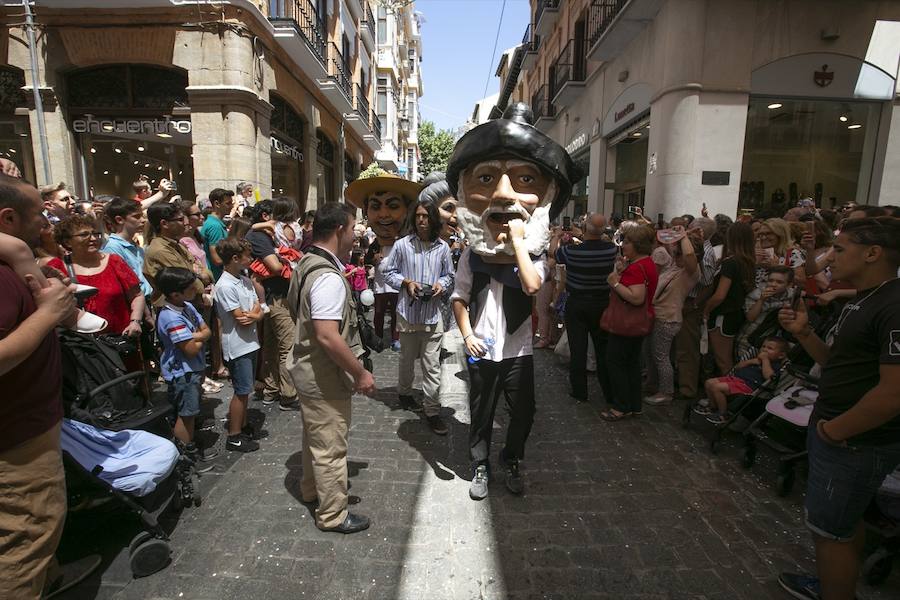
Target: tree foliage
435 147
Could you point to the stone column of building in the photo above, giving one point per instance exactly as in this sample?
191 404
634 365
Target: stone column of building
59 141
230 119
888 192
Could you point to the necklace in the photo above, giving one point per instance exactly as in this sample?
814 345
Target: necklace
851 307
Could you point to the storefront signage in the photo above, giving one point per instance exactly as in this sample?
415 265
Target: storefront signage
822 75
88 124
577 143
631 104
286 149
624 112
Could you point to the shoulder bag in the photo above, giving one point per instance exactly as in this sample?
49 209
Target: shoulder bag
625 319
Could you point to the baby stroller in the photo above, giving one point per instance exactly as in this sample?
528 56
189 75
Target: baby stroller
883 519
791 410
111 413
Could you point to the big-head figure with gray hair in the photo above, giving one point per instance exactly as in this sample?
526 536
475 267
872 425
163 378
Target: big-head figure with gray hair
506 170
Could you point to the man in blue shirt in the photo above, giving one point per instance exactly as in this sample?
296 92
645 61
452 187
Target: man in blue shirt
127 220
214 230
421 268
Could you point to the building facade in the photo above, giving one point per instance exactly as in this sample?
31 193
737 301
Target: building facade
277 93
398 89
742 105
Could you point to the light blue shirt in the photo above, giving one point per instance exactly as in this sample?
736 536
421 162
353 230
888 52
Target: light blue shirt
424 262
233 293
176 324
132 255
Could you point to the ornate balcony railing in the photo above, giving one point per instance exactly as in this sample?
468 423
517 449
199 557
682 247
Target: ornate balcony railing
541 5
370 21
303 15
376 125
602 14
362 103
339 71
542 104
567 67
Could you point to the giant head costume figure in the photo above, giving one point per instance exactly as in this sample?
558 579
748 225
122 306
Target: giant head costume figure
384 200
506 169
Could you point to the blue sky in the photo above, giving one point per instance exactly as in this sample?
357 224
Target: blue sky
458 37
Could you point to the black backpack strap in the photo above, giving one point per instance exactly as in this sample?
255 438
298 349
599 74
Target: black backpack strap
294 307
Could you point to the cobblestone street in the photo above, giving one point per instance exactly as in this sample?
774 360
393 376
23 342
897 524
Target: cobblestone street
638 509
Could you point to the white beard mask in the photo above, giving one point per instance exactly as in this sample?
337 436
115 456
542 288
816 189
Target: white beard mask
477 234
537 232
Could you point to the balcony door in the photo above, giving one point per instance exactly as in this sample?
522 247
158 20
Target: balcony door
579 64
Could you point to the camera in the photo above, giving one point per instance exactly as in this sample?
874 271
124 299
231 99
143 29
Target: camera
426 292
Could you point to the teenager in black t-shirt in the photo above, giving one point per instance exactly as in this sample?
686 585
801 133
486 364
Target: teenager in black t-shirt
854 432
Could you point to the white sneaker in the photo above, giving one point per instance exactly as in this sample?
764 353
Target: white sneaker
658 400
89 323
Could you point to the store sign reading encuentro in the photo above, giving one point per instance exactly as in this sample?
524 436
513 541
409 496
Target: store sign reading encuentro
88 124
286 149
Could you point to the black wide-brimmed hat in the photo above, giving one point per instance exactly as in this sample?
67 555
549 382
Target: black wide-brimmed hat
514 136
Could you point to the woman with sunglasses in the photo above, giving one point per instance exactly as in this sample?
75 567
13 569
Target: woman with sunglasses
119 299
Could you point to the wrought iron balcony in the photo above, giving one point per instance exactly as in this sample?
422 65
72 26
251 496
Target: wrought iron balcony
568 68
362 103
376 125
304 18
542 107
545 16
339 71
530 44
603 13
370 20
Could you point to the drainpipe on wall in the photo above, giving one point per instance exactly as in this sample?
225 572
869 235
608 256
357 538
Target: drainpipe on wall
38 102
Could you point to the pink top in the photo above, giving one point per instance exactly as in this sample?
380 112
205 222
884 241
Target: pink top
358 280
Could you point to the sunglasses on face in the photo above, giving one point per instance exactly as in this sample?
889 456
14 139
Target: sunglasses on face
87 235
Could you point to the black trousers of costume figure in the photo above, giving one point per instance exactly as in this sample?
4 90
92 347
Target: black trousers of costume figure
582 321
514 378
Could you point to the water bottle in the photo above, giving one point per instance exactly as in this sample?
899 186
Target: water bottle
489 342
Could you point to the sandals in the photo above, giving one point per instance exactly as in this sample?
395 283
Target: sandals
611 415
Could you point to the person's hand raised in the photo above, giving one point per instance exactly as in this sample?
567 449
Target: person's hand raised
794 320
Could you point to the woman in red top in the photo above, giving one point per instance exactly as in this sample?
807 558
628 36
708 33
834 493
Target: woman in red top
119 299
634 280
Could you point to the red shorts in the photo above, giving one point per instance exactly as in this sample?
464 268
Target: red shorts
736 385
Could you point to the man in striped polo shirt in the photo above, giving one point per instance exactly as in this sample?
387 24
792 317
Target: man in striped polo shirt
587 266
421 268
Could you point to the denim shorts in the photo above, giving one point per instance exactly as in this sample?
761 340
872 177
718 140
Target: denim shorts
243 373
184 394
842 483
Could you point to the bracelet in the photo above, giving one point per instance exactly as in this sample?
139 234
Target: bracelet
467 337
138 321
616 284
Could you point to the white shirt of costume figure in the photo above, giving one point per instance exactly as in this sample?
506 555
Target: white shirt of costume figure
493 193
386 214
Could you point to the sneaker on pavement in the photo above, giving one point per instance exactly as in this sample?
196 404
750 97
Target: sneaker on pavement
289 405
269 400
702 410
717 418
514 481
241 443
437 425
658 400
479 488
800 586
395 345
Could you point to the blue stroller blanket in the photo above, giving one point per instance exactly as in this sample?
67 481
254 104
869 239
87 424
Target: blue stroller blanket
133 461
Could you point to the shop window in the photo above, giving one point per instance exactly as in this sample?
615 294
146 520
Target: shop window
127 87
287 129
123 122
286 120
15 138
793 149
324 169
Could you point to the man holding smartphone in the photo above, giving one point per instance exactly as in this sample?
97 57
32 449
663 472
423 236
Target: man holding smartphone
854 432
